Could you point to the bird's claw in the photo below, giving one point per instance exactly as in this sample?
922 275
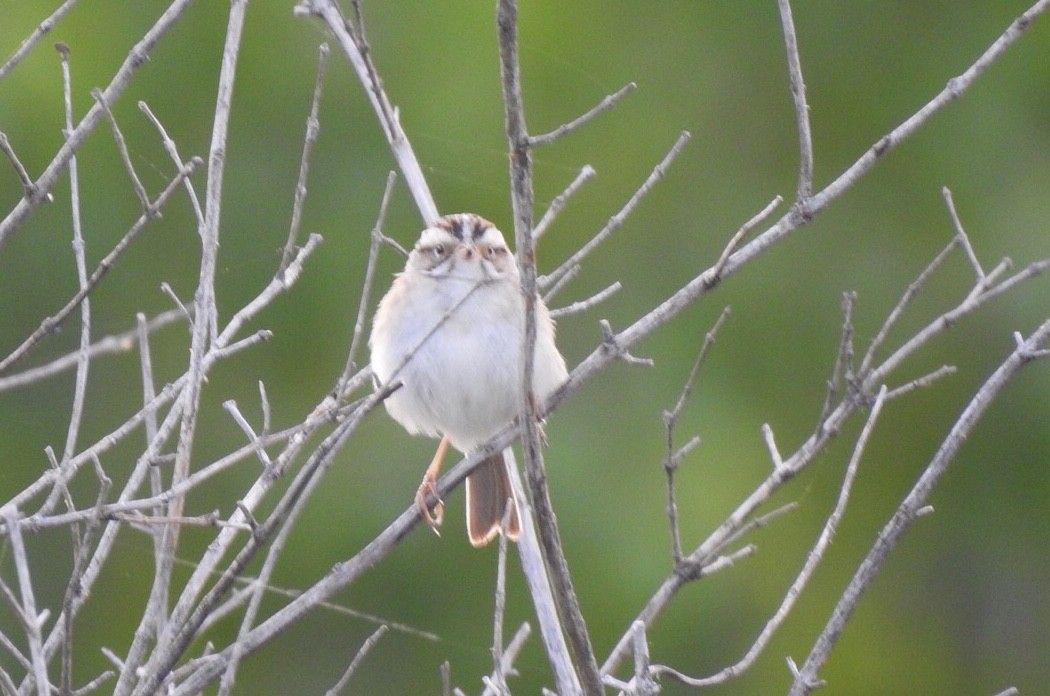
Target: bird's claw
432 519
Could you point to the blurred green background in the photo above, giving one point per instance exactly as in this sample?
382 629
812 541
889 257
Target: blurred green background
961 607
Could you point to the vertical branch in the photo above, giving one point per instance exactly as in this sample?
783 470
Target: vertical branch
313 126
522 200
204 329
539 584
30 617
82 275
83 357
798 94
377 238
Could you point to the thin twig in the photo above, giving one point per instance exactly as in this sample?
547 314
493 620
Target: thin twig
715 274
604 105
50 324
108 345
960 233
907 511
41 30
798 95
891 319
558 204
79 256
231 407
365 648
921 382
137 57
816 555
122 147
584 305
672 458
313 127
498 678
618 219
357 51
843 370
376 239
173 152
20 170
510 654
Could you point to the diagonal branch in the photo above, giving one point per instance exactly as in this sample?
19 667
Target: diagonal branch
137 57
912 505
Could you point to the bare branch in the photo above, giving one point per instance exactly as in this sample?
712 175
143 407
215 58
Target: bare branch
50 324
604 105
41 30
27 609
137 57
798 95
535 570
922 382
518 146
584 305
907 511
774 452
357 51
816 555
109 345
20 170
122 147
365 648
313 127
617 220
558 204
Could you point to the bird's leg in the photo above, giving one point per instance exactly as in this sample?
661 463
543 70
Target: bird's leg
429 487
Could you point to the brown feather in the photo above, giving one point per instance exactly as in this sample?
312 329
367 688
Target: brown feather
488 492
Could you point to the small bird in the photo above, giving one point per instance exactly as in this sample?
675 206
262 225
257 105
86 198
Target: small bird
451 331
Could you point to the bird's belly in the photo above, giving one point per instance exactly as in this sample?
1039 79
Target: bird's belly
463 382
